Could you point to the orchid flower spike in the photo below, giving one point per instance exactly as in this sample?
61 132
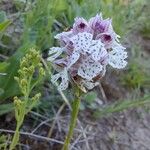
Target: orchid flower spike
84 53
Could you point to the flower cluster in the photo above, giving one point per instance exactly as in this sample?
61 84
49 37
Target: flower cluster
85 51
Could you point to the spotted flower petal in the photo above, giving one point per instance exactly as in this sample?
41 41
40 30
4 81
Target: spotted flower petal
89 69
97 50
73 59
54 53
64 79
117 58
82 42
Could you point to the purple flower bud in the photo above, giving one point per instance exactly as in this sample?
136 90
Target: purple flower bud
99 25
104 25
95 20
80 25
106 38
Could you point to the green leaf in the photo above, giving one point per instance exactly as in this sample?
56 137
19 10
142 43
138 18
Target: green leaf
82 106
5 108
4 25
3 66
7 82
3 143
60 5
2 138
90 97
1 91
79 2
7 40
122 105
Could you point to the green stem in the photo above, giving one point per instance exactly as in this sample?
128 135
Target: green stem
15 138
17 134
74 115
21 116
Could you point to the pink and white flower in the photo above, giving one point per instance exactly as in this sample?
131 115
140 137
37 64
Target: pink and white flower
80 25
85 51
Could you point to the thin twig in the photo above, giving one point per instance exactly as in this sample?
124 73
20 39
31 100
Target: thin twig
103 93
39 115
81 141
56 118
75 142
79 130
34 136
84 134
42 123
65 99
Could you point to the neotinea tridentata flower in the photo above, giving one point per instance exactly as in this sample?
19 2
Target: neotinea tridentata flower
85 51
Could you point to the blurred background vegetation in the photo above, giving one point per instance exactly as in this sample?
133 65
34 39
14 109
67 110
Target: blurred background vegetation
33 23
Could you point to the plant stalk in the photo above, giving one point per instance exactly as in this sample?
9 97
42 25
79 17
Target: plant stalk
20 121
15 138
75 110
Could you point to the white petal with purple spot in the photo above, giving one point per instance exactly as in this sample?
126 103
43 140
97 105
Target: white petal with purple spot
73 59
89 69
82 42
54 52
117 58
63 75
98 50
